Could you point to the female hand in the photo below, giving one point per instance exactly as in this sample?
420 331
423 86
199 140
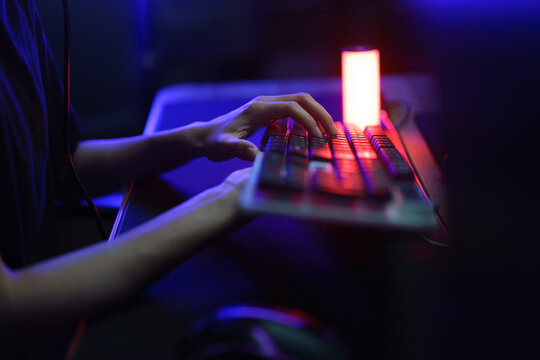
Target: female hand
227 133
224 195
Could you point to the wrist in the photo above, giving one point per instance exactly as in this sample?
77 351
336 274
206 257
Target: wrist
202 133
228 198
196 136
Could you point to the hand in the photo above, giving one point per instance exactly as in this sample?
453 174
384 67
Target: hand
237 179
233 185
223 198
227 133
226 193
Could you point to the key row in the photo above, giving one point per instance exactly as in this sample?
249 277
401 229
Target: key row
350 142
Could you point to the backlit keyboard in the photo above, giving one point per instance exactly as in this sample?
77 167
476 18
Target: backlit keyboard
358 163
357 176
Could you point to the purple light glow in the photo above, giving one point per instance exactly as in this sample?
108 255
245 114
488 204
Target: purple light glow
260 313
482 10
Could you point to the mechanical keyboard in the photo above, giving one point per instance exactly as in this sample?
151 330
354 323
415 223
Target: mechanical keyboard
356 177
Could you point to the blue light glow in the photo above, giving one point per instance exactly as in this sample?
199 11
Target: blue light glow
261 314
480 8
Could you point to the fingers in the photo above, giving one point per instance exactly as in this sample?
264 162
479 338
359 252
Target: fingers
282 109
238 177
230 147
316 112
245 150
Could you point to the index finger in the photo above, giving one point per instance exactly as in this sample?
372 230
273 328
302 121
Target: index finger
283 109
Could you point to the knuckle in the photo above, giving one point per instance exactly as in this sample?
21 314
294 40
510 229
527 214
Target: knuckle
305 96
255 106
293 106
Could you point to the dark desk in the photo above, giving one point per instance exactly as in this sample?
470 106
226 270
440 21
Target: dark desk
372 287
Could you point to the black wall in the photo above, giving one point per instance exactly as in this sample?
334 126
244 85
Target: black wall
124 50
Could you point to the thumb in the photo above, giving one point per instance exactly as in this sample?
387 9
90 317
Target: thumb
241 148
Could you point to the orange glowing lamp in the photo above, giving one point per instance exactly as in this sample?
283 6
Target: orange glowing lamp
361 86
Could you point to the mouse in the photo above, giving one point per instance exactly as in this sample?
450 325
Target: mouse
249 331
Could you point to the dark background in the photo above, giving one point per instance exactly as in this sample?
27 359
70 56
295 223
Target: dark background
486 55
125 50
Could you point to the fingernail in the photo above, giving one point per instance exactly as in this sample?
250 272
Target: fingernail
318 132
253 150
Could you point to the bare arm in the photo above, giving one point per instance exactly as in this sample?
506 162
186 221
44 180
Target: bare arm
106 165
75 286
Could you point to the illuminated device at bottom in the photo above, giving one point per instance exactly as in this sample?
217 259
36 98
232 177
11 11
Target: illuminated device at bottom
361 86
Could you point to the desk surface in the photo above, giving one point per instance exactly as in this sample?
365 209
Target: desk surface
368 285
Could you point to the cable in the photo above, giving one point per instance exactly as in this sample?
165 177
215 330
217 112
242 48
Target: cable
67 113
77 336
433 242
75 341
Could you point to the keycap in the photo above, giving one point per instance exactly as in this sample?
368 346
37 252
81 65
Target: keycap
321 154
277 129
325 180
353 183
297 172
362 146
396 166
365 153
320 150
375 178
379 142
276 143
373 130
271 169
359 138
343 153
298 145
328 181
340 148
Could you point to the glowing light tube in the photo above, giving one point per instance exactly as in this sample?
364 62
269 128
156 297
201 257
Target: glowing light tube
361 86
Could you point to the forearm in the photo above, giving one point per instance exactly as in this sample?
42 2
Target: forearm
106 165
73 287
